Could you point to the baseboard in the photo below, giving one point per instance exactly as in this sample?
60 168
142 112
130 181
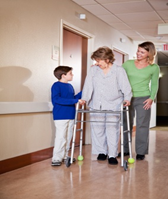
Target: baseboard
27 159
24 160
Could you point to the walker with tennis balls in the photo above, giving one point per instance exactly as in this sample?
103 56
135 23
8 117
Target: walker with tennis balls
83 111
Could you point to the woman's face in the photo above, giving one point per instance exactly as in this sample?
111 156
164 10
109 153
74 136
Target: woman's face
101 63
142 54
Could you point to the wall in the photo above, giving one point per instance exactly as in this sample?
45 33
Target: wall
29 29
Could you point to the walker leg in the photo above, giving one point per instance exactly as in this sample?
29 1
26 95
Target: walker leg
80 157
122 137
129 135
69 161
73 143
131 159
125 165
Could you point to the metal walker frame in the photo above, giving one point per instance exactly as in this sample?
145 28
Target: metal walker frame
123 109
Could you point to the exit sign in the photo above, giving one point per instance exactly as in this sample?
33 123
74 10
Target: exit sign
165 47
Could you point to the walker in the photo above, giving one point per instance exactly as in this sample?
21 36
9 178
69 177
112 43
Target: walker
83 111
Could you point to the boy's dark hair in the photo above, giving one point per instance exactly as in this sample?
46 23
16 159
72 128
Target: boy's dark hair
61 70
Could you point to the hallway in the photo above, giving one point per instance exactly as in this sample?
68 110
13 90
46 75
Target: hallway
92 179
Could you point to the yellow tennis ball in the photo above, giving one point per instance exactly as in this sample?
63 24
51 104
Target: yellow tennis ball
131 160
80 157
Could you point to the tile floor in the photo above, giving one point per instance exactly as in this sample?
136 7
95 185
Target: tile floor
90 179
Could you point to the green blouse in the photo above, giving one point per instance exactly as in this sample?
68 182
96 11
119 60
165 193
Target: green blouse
144 82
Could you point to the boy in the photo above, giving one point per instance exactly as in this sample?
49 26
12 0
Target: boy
63 100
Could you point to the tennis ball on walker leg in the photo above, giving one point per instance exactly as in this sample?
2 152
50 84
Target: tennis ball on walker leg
80 157
131 160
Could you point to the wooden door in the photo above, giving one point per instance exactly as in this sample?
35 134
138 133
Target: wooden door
119 58
75 56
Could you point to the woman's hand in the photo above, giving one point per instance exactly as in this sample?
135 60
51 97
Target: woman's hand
82 101
148 104
126 103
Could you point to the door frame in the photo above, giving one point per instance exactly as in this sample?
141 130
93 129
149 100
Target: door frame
90 37
75 29
126 55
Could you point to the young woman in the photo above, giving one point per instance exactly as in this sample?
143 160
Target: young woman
143 75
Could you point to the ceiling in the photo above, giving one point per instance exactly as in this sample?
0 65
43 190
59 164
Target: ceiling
137 19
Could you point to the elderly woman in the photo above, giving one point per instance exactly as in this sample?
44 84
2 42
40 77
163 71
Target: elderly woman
106 87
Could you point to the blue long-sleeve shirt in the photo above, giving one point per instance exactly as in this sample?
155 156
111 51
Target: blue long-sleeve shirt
63 99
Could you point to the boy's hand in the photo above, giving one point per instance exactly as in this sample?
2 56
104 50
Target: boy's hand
126 103
82 101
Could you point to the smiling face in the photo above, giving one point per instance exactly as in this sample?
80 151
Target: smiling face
142 54
102 63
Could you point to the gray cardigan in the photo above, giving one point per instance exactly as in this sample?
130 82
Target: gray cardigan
106 92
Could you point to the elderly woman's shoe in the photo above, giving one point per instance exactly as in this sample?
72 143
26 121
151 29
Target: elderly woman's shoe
112 161
101 157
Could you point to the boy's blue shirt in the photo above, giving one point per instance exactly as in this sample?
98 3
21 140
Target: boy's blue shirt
64 99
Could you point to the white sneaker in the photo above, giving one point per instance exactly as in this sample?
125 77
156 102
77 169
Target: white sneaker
56 163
